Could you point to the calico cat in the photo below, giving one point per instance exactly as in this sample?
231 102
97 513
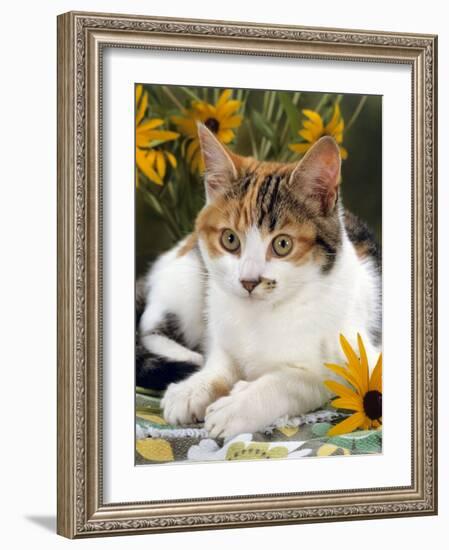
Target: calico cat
251 305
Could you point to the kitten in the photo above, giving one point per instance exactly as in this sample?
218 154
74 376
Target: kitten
273 273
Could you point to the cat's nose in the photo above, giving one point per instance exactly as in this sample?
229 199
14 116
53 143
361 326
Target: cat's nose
250 285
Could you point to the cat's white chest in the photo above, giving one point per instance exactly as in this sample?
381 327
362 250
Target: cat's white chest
260 337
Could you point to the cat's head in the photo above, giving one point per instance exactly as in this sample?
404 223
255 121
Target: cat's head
269 228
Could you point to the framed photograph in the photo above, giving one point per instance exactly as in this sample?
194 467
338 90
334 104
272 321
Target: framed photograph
246 274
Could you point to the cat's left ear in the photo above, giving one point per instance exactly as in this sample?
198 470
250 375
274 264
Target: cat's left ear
317 175
220 170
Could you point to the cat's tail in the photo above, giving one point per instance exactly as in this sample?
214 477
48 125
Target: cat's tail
161 358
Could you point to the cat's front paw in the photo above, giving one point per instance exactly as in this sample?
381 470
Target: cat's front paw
186 401
233 415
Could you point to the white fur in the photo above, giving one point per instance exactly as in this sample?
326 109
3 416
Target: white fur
165 347
269 346
252 262
176 284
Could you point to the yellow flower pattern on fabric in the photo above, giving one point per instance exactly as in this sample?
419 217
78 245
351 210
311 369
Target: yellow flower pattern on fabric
313 129
156 419
252 451
288 431
221 119
328 449
365 397
158 450
151 159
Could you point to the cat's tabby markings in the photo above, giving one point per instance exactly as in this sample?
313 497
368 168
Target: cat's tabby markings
255 298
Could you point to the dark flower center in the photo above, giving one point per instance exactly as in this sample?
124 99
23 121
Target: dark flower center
372 404
212 124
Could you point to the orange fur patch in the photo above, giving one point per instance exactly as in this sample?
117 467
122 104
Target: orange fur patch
189 245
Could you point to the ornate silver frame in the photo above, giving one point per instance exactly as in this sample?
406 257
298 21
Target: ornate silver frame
81 39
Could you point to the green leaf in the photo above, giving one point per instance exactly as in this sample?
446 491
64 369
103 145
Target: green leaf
291 111
154 204
320 429
262 126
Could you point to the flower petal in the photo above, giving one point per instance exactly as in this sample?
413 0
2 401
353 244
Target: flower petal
191 149
348 424
231 122
375 382
142 108
367 424
186 126
150 124
228 108
354 404
200 106
314 117
353 363
363 362
145 163
339 128
340 390
139 90
161 135
160 164
225 136
224 96
197 164
300 148
307 135
346 375
330 128
171 159
343 153
315 130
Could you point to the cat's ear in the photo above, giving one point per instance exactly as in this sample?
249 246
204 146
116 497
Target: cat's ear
220 170
317 175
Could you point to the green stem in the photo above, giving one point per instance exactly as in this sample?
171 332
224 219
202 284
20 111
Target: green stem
167 215
172 97
268 144
356 112
171 221
271 105
295 101
160 214
253 140
265 102
190 93
245 98
321 102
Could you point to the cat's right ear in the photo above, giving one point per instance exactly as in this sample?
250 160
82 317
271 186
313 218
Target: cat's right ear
317 176
220 170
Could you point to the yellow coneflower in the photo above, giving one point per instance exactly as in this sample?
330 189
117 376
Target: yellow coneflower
221 119
366 396
150 158
314 128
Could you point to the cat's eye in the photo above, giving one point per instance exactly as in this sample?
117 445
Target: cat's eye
230 241
282 245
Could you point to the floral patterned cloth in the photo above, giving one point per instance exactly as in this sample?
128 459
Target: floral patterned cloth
158 442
